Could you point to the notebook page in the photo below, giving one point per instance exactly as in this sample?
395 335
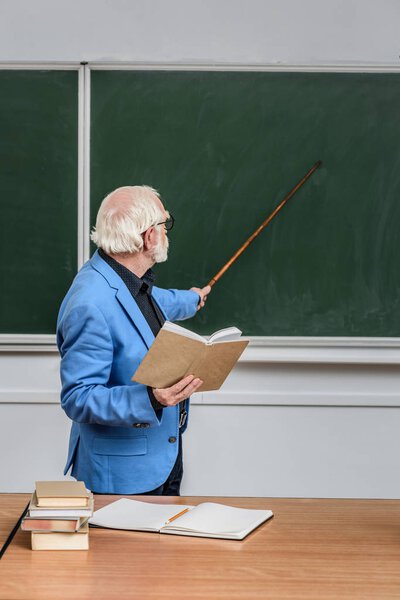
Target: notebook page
223 335
174 328
135 515
213 518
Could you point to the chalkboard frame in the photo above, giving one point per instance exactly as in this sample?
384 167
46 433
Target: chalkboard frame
272 69
42 341
282 349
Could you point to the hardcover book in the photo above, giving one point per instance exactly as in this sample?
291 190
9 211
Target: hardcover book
61 541
43 512
61 493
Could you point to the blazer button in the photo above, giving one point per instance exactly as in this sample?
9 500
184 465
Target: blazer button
172 440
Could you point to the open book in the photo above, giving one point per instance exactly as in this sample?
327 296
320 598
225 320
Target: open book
204 520
177 352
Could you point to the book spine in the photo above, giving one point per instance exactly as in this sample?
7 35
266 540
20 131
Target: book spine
60 541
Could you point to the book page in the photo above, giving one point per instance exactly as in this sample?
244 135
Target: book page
135 515
219 519
226 334
174 328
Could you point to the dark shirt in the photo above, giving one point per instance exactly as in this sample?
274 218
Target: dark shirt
140 289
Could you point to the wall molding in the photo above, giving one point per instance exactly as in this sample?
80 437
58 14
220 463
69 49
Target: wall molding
48 65
244 397
29 396
302 399
323 67
325 350
314 350
266 67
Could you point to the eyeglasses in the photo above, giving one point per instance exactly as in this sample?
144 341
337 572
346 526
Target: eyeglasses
168 224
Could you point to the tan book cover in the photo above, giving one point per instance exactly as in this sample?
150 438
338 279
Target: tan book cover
61 493
79 540
177 352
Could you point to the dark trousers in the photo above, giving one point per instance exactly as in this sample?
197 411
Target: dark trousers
172 485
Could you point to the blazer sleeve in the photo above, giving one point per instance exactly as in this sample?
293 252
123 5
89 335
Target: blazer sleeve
86 350
177 304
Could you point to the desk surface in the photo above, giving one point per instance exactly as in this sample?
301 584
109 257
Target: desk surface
312 549
11 507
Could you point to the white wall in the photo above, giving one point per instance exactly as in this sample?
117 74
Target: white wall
274 429
205 31
277 428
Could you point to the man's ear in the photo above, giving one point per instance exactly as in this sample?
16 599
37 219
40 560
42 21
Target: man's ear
149 238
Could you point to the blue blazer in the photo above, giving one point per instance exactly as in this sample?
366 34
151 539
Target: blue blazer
118 443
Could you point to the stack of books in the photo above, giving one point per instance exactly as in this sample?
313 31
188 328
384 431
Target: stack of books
58 516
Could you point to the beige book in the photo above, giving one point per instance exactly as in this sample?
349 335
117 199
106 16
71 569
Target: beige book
61 493
61 541
177 352
59 512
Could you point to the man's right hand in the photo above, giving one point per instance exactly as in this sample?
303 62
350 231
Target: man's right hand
178 392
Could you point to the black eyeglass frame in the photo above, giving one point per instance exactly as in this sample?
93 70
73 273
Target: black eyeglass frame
168 224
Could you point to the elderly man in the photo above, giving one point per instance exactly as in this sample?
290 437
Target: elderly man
125 437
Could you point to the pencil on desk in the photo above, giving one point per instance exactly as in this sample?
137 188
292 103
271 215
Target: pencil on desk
176 516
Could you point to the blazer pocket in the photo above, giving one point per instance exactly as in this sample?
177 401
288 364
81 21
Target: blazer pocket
120 446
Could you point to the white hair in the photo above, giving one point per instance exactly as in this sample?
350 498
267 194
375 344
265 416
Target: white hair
123 216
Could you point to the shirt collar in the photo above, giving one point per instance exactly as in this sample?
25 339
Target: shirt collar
132 281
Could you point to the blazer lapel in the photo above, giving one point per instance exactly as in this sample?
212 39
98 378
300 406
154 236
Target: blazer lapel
124 297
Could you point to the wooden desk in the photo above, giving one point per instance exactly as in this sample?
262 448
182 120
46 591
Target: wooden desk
11 507
312 549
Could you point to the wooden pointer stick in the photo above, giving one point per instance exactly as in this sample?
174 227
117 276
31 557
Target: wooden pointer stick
262 226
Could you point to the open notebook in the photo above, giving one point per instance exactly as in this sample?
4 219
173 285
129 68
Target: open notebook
204 520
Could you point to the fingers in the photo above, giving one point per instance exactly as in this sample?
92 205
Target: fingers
178 392
180 386
203 293
187 386
192 388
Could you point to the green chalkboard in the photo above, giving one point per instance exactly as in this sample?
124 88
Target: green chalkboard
38 190
223 148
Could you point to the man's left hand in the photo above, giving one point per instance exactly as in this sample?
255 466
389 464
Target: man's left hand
203 293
